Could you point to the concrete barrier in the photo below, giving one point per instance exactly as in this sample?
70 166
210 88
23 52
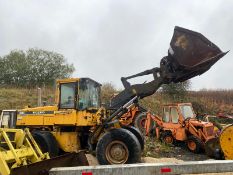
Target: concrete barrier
192 167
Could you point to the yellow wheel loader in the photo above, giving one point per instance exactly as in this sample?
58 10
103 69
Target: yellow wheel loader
78 122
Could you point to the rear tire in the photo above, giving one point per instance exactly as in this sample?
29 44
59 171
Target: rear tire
137 133
140 121
118 146
194 144
47 142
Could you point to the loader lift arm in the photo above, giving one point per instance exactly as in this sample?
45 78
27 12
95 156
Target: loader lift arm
190 54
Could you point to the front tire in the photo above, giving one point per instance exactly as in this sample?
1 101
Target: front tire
47 142
167 137
137 133
194 144
118 146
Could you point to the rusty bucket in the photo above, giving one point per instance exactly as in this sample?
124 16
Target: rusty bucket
190 54
43 167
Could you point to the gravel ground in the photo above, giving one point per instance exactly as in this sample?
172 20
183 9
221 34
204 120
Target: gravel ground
173 154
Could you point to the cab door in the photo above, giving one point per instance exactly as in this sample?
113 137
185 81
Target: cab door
170 117
174 116
166 117
178 130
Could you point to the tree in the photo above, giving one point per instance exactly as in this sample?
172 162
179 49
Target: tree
176 92
33 67
107 92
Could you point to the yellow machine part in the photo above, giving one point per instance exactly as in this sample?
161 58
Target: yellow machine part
68 141
50 115
226 142
18 148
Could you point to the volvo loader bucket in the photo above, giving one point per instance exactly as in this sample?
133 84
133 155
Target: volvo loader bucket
190 54
20 155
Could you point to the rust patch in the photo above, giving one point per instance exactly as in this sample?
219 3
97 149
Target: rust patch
182 42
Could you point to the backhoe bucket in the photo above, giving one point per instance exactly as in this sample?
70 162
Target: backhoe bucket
43 167
190 54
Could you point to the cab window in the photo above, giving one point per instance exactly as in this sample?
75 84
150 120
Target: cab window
187 111
67 98
174 115
89 94
166 114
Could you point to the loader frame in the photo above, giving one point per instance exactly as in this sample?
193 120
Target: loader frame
19 150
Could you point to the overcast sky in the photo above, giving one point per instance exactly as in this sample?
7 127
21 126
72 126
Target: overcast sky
108 39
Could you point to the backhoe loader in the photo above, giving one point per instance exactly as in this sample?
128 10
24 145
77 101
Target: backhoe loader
78 121
179 123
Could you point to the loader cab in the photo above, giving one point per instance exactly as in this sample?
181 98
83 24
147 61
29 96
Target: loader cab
79 94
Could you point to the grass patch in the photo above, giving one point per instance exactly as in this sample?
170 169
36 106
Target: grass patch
18 98
155 148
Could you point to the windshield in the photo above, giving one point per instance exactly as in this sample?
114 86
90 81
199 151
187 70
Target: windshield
187 111
89 94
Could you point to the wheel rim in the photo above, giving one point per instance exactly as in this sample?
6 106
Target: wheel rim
192 145
168 139
117 152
